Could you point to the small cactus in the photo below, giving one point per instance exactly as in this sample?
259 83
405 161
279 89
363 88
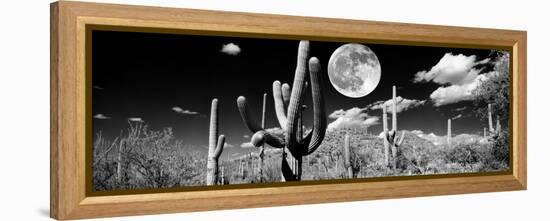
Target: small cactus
215 146
288 105
347 157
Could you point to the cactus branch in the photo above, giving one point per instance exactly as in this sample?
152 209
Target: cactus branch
279 103
285 89
264 136
219 146
319 115
247 117
401 138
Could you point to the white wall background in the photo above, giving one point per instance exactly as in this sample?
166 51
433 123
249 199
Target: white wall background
24 108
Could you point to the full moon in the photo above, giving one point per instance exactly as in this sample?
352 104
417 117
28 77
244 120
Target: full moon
354 70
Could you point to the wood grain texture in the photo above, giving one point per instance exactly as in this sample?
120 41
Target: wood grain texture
68 106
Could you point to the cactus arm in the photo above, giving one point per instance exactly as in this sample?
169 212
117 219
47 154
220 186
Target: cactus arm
219 147
246 115
401 138
319 115
263 136
295 100
278 99
285 89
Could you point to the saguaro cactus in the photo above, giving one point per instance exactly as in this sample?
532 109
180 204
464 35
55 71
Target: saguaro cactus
121 147
288 107
390 137
347 157
386 143
449 135
215 146
222 176
261 154
490 118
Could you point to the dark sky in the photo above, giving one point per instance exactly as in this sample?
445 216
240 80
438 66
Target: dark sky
145 75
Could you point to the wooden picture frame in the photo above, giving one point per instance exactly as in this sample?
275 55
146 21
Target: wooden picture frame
68 194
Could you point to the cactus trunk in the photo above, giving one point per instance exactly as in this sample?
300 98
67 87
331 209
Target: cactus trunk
449 135
261 154
490 118
386 143
119 161
215 146
394 127
347 157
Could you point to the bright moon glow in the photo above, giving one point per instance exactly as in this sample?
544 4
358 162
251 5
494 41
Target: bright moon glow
354 70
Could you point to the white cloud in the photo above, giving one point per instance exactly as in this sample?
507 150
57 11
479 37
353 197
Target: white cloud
456 93
231 49
457 76
247 145
402 104
457 117
228 145
101 117
352 118
451 69
136 119
436 140
461 108
180 110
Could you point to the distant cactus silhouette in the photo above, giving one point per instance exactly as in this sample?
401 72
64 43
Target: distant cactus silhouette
496 129
391 139
215 146
288 106
347 157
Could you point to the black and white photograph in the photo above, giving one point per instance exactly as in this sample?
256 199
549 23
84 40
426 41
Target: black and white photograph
183 110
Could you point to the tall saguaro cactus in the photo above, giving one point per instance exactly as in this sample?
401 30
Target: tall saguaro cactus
386 143
391 139
288 105
215 146
347 157
449 135
261 154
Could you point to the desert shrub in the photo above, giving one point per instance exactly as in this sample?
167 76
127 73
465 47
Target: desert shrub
501 149
148 159
464 154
